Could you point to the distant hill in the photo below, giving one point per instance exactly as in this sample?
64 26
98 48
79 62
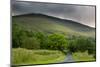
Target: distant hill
49 24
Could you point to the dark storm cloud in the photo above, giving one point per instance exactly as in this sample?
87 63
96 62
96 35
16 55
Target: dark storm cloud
82 14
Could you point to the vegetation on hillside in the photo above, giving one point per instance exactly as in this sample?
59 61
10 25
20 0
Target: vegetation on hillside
43 23
50 44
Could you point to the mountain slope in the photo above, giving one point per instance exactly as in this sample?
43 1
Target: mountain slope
49 24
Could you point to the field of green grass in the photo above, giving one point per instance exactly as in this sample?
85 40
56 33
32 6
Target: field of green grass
82 56
21 56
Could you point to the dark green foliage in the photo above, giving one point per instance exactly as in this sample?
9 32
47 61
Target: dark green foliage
72 46
55 41
16 36
37 40
23 38
82 44
30 43
41 37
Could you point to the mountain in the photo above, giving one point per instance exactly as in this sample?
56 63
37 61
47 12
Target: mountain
49 24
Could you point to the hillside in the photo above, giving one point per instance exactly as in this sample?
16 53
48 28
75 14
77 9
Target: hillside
49 24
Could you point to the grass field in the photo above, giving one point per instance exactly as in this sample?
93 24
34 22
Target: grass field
24 56
79 56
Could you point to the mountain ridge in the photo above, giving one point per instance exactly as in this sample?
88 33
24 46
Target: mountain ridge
45 15
45 23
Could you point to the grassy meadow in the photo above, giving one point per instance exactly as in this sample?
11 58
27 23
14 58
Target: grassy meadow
41 39
83 56
25 56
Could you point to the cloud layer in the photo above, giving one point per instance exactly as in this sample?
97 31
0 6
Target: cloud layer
82 14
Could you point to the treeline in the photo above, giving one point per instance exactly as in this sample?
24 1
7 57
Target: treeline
37 40
82 44
55 41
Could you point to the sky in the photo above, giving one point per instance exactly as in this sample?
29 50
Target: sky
82 14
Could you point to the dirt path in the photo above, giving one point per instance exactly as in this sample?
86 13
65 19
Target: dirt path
69 57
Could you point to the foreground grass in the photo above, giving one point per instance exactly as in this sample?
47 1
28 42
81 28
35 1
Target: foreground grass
83 56
24 56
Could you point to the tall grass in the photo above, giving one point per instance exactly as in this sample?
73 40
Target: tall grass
24 56
83 56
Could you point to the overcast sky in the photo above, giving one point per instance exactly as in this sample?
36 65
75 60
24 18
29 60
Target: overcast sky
82 14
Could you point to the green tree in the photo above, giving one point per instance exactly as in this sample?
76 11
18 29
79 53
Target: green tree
82 44
57 41
16 36
30 43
